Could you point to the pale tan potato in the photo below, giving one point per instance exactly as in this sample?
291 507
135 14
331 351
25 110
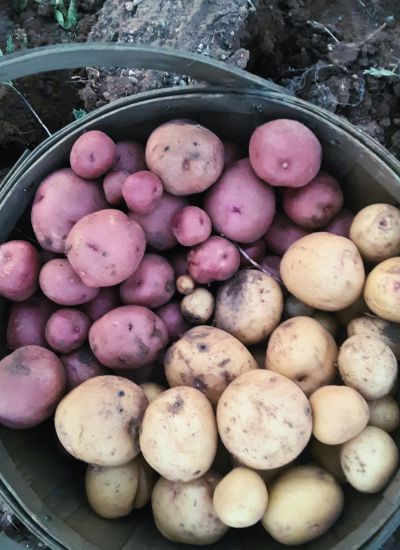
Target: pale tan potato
184 512
303 504
207 359
386 331
382 290
328 321
111 491
98 422
178 436
146 481
339 413
375 231
185 284
249 306
356 309
303 351
264 419
384 413
368 365
323 270
240 498
198 306
369 460
152 390
328 457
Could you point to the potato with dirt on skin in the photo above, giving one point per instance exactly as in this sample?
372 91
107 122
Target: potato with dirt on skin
339 413
369 460
384 413
27 322
382 290
111 491
370 325
216 259
92 154
328 457
376 232
178 435
80 365
264 419
98 422
198 306
146 481
368 365
304 503
207 359
19 270
249 306
240 498
152 390
323 271
175 322
303 351
185 285
192 518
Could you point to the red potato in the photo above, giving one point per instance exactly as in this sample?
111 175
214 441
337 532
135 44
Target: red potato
105 248
32 382
112 186
256 251
179 263
27 322
217 259
129 156
92 154
152 285
285 153
128 337
61 200
141 191
191 226
240 205
157 224
282 234
232 152
62 285
316 203
340 225
19 270
106 300
175 322
80 365
67 329
186 156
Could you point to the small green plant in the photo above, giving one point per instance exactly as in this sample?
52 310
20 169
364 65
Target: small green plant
381 72
10 44
67 18
79 113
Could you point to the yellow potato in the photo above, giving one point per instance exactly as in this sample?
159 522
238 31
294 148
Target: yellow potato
152 390
179 434
328 321
369 460
198 306
303 351
240 498
264 419
370 325
376 232
384 413
146 481
329 458
111 491
323 270
304 503
207 359
382 290
339 413
368 365
98 422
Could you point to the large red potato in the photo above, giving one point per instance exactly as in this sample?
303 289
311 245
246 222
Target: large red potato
92 154
19 270
217 259
282 234
27 322
61 284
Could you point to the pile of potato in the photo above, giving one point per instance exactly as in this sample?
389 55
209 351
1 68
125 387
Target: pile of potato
269 310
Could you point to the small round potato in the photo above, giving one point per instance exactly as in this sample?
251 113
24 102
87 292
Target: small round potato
146 482
328 321
369 460
141 191
98 422
323 271
384 413
376 232
111 491
370 325
178 435
264 419
339 413
329 458
249 306
184 512
215 259
198 306
382 290
368 365
240 498
185 284
191 226
303 351
151 390
303 504
92 154
67 329
207 359
19 270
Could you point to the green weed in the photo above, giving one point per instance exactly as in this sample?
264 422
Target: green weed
67 18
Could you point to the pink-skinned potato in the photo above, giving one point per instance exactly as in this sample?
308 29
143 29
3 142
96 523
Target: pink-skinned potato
67 329
19 270
129 156
191 226
282 234
285 153
32 382
62 285
175 322
27 322
80 365
128 337
217 259
141 191
105 248
240 205
106 300
186 156
340 225
92 154
112 186
60 201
